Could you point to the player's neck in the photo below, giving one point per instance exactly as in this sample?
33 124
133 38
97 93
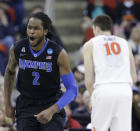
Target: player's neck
39 46
105 33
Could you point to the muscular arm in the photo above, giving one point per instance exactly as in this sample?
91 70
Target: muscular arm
63 62
68 80
132 66
89 66
64 68
71 89
9 78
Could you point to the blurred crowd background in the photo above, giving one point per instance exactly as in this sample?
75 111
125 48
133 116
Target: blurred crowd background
72 27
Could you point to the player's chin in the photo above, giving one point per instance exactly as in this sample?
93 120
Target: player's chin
33 43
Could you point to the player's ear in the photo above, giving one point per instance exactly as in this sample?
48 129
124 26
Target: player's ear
46 31
98 29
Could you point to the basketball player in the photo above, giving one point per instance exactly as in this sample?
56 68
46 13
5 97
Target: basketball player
41 62
109 73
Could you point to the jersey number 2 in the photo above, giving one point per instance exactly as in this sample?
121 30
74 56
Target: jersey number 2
115 48
35 81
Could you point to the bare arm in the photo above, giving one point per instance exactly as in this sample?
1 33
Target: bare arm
64 63
89 66
64 68
9 80
132 66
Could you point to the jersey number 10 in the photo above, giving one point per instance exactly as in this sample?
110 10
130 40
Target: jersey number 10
115 48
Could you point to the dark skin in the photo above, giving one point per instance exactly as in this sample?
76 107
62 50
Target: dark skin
35 32
136 100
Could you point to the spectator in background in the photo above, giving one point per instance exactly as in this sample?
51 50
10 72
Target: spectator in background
1 82
110 3
137 62
127 8
79 75
84 108
70 122
82 113
86 27
78 102
125 28
1 98
136 98
134 40
1 90
98 8
6 39
94 8
18 6
127 17
6 30
15 9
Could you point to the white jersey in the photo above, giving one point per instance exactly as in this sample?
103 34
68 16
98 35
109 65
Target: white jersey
111 60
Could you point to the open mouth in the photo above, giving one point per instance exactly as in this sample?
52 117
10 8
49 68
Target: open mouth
31 38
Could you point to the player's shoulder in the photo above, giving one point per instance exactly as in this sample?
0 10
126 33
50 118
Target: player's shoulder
97 38
88 45
20 43
55 47
121 39
53 44
92 41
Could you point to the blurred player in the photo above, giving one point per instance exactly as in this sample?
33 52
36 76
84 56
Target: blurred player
109 73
